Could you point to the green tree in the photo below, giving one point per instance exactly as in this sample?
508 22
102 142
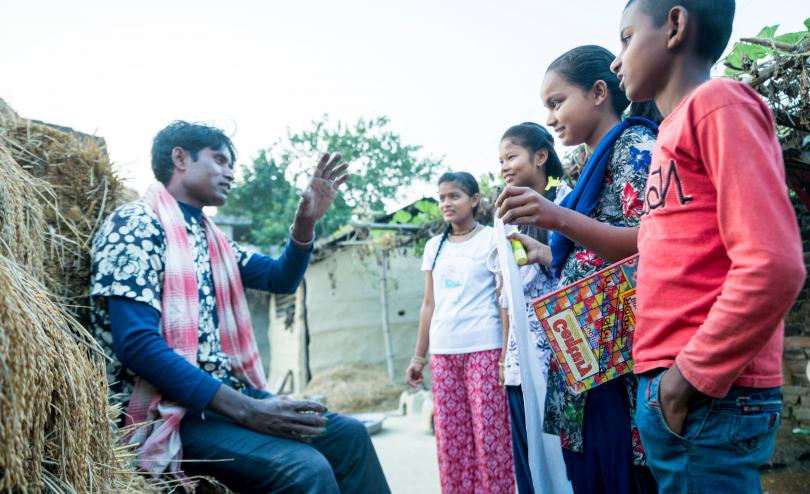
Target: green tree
382 168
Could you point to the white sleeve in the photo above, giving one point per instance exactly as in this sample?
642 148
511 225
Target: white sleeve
430 253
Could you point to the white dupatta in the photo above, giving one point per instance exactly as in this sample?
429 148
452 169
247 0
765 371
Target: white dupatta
545 452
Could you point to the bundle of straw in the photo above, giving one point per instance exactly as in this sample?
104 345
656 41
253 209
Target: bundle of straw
350 388
54 423
8 117
22 221
84 190
56 432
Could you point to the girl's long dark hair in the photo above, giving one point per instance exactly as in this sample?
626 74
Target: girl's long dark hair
535 137
584 65
469 185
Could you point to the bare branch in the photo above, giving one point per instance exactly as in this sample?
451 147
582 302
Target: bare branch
785 119
776 45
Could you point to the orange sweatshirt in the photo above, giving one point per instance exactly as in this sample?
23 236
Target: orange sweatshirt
720 253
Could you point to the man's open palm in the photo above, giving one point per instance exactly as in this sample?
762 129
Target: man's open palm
321 190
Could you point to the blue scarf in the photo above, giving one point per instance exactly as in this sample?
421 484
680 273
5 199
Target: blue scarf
586 193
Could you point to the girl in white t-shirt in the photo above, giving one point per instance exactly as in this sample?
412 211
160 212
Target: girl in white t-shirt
460 322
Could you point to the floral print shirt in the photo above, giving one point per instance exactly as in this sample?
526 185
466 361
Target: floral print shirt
128 253
620 204
537 281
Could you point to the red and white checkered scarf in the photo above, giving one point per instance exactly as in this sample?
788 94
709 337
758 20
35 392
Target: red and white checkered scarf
160 448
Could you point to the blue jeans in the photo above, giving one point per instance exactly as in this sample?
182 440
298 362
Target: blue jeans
722 444
342 460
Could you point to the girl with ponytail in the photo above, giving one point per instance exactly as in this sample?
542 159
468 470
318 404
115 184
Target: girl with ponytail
528 159
595 225
460 323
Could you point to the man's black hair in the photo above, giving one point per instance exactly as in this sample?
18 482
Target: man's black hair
190 136
714 20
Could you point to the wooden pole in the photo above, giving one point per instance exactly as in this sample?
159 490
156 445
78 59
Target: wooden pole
382 256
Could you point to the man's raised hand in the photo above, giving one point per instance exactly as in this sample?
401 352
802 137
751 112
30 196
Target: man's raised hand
321 190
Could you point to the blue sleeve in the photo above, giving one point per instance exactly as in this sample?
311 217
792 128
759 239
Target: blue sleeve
140 347
282 275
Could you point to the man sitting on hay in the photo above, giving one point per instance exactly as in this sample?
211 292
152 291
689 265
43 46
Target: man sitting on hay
168 306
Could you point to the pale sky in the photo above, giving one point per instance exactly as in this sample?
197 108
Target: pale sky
451 75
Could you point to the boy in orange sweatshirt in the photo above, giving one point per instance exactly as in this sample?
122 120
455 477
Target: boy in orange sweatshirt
720 254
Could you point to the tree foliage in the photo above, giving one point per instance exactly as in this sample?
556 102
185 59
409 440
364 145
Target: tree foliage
382 168
767 43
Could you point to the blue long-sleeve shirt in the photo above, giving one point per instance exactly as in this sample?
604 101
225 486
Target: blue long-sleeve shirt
140 347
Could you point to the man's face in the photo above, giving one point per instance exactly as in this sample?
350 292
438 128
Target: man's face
642 65
207 180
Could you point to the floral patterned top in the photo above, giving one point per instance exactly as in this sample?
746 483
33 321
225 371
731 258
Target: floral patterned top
128 253
537 281
620 204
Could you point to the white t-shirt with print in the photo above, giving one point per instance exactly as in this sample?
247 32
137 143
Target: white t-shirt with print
466 317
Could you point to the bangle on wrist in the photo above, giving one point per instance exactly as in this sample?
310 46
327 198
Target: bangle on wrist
416 359
304 245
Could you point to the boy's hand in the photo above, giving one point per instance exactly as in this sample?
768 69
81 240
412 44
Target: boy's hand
536 251
674 392
524 206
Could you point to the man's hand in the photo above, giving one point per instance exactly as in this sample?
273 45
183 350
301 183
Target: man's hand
292 419
524 206
317 197
536 251
321 191
674 392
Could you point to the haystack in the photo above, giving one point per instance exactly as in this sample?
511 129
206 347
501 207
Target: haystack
54 424
56 433
356 388
83 191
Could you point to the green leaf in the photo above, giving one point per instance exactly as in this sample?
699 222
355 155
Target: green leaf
428 208
807 23
793 38
402 217
422 205
746 51
419 220
768 32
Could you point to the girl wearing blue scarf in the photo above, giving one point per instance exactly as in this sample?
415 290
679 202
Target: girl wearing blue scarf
595 225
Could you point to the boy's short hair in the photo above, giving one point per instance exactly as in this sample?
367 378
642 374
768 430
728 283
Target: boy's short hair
192 137
715 18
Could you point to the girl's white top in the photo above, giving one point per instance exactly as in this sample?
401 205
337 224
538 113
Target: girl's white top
465 315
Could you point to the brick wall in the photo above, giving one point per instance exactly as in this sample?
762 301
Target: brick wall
797 342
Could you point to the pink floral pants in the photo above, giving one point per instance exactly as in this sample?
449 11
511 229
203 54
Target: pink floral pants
471 420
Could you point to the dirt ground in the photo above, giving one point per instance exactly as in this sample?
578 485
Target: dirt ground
408 455
407 452
789 470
